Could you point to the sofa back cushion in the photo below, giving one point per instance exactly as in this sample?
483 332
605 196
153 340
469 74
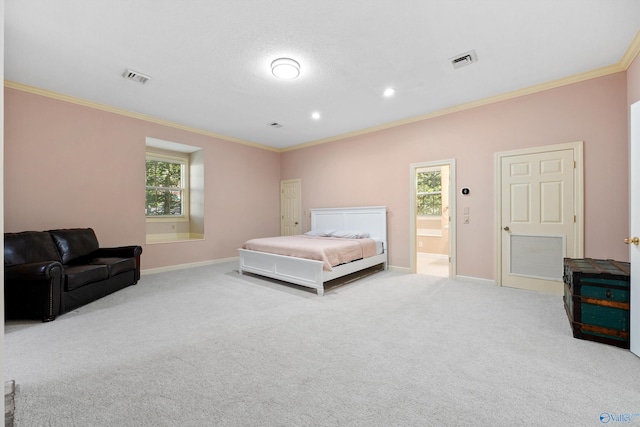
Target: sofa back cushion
74 243
29 246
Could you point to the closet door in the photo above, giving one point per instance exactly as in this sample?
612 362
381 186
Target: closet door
290 208
537 217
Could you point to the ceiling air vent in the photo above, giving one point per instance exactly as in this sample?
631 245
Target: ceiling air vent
136 76
464 59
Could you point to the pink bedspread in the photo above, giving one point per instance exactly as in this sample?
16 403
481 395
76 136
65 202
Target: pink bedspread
330 250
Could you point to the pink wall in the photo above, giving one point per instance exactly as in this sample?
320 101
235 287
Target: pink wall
71 166
373 169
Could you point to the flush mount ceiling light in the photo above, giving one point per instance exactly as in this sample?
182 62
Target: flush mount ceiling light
389 92
285 68
315 115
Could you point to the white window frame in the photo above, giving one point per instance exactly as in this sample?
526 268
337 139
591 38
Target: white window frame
172 157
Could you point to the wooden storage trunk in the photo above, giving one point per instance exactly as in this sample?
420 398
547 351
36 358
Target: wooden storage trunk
596 298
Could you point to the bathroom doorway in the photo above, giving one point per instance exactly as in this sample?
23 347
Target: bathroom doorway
433 209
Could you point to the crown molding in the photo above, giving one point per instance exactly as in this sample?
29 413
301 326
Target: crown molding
631 53
95 105
600 72
624 63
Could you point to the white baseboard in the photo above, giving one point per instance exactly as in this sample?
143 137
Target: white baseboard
189 265
404 270
220 261
399 269
476 280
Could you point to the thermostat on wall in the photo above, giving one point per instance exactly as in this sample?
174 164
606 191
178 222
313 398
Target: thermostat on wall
465 191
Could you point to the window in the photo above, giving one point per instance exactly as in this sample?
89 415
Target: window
166 186
174 192
429 192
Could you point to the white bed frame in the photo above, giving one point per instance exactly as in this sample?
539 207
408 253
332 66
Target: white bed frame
309 273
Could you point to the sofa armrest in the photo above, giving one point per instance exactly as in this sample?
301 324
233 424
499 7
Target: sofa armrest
34 290
33 272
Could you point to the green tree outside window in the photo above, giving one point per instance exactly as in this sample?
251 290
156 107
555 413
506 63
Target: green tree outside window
165 188
429 193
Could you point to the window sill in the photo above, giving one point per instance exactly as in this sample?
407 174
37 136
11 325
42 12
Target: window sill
153 239
167 219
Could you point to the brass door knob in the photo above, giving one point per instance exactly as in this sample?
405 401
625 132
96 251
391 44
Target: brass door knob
633 240
506 229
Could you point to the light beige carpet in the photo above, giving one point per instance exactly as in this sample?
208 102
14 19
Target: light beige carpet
209 347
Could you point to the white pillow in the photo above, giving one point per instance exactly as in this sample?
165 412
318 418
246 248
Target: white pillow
319 233
350 234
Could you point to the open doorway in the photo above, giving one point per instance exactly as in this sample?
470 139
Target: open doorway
433 210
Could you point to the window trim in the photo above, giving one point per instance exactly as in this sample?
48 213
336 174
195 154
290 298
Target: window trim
172 157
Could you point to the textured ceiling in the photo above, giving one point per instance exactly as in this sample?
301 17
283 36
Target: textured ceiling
209 61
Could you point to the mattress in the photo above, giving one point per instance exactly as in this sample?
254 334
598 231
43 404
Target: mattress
331 251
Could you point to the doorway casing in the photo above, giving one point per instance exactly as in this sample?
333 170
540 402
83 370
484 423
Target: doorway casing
634 231
452 212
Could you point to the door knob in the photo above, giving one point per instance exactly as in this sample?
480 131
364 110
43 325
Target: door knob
506 229
633 240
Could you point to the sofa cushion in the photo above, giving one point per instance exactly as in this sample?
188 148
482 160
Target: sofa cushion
29 246
81 275
116 265
74 243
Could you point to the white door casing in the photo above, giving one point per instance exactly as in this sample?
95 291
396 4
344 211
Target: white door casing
539 210
634 219
290 207
452 212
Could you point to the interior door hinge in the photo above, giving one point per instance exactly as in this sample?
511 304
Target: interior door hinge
575 219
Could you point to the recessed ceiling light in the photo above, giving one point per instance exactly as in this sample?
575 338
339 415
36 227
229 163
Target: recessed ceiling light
389 92
315 115
285 68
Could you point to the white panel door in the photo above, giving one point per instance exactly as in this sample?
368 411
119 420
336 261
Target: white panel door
537 217
634 215
290 204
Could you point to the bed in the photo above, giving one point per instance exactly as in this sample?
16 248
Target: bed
314 273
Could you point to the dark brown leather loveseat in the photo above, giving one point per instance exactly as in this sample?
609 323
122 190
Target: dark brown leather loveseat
48 273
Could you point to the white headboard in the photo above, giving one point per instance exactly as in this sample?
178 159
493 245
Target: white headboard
372 219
